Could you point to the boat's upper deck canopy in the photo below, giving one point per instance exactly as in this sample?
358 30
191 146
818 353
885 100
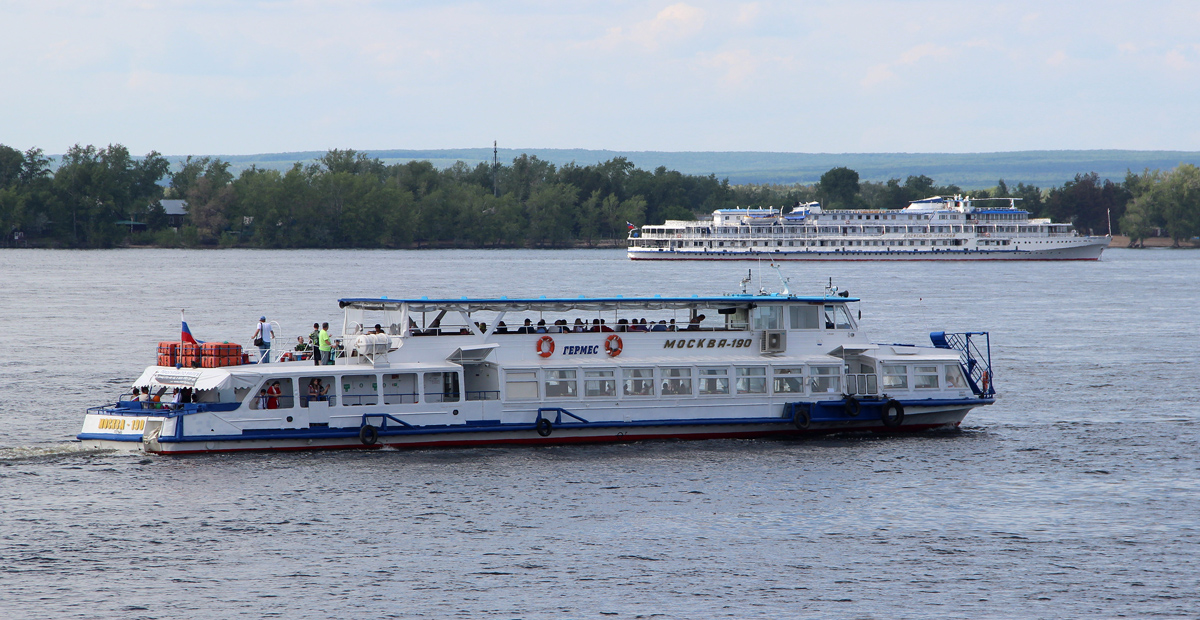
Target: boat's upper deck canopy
592 304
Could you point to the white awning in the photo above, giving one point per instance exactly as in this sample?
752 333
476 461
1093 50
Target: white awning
472 353
195 378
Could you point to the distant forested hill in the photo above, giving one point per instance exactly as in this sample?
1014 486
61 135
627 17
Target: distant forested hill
967 170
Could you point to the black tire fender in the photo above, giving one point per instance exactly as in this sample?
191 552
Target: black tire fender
368 435
544 427
801 416
852 407
892 414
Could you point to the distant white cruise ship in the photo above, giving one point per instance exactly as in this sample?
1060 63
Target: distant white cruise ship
938 228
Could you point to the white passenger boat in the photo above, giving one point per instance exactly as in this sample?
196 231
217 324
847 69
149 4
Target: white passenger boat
937 228
455 372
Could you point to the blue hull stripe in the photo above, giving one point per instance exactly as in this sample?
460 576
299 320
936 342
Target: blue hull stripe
392 431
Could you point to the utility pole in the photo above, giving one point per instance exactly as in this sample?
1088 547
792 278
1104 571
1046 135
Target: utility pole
495 169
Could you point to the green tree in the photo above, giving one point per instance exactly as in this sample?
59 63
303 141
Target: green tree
838 188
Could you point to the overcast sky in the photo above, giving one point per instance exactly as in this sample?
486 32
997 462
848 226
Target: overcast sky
242 77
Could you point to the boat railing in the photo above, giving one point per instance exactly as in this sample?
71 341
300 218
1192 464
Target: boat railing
864 384
400 398
483 394
441 397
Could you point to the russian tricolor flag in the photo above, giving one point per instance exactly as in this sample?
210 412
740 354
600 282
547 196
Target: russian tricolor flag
186 335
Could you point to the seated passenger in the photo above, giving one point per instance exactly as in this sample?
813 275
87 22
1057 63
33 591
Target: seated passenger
378 329
623 325
595 325
527 328
604 327
501 328
660 326
579 327
671 327
541 327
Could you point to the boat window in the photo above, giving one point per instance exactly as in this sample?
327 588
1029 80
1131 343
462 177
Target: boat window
768 317
638 381
714 381
895 377
274 393
954 377
789 380
752 380
826 380
522 384
400 389
677 382
837 317
925 377
599 383
561 384
804 317
319 389
360 390
441 387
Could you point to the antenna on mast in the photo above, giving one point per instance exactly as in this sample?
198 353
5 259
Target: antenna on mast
495 168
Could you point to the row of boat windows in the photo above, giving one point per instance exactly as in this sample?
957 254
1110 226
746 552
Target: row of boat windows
361 389
529 384
522 384
850 230
651 243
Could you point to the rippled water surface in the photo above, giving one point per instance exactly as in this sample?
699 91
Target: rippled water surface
1076 495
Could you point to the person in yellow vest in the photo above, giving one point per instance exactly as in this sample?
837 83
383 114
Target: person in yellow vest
323 345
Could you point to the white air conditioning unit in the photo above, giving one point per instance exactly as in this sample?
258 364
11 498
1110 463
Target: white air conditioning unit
773 341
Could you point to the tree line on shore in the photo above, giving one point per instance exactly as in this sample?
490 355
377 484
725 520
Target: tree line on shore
104 197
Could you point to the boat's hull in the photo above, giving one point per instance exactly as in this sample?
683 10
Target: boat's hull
1080 252
920 416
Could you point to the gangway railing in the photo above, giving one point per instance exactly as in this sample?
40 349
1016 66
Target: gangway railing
975 357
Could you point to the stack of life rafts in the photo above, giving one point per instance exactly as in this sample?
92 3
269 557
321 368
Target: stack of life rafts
207 355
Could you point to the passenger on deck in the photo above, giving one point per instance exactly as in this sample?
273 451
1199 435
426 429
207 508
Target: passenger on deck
694 323
623 325
579 327
501 328
176 399
660 326
378 329
603 327
314 390
595 325
262 399
541 327
273 394
561 327
527 328
672 326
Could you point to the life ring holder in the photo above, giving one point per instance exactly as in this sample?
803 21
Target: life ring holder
545 346
613 345
892 414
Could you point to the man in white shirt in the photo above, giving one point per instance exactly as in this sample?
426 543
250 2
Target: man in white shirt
262 339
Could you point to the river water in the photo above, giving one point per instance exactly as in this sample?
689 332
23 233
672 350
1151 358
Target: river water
1076 495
